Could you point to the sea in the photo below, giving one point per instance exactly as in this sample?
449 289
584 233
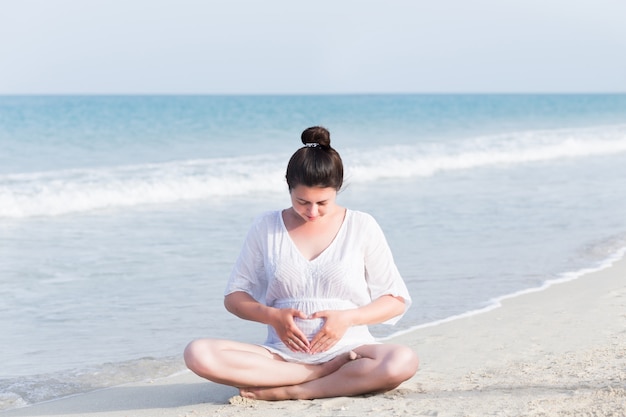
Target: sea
121 216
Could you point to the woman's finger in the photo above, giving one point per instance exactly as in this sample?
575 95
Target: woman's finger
296 344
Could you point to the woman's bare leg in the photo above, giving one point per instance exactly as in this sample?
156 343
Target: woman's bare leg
379 368
246 365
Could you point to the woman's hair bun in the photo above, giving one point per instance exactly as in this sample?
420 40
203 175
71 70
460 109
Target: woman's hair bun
316 134
316 164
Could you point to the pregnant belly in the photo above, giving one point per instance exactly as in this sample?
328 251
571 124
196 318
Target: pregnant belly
310 327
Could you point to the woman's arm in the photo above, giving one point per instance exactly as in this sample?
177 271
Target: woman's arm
378 311
242 305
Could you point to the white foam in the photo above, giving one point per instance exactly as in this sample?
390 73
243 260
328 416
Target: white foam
499 150
69 191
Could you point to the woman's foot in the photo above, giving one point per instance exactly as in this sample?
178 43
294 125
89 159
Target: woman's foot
289 392
336 363
269 394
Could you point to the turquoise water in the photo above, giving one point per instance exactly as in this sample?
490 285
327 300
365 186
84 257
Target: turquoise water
120 217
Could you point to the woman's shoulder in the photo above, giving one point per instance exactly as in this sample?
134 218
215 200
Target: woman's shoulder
263 225
269 217
359 216
360 219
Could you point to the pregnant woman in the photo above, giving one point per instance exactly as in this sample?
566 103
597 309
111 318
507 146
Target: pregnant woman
317 274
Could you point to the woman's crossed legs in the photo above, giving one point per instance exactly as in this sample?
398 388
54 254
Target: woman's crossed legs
260 374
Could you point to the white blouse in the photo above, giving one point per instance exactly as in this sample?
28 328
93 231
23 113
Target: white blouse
355 269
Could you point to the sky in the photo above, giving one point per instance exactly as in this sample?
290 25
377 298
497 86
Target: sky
321 47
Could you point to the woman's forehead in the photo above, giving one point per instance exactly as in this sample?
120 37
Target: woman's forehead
314 194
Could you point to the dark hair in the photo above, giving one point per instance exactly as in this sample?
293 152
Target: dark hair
317 164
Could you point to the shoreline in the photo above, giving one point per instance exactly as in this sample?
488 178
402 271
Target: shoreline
496 302
556 351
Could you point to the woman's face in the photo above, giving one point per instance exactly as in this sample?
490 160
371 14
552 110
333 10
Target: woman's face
313 203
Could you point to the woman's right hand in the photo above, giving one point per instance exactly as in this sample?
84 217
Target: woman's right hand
243 305
287 330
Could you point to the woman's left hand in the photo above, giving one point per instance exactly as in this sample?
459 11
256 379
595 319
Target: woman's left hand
335 326
337 322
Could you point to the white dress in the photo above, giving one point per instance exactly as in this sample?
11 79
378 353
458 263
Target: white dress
356 268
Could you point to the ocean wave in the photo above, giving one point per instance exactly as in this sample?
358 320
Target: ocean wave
78 190
489 151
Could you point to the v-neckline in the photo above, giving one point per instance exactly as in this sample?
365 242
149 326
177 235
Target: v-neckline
326 249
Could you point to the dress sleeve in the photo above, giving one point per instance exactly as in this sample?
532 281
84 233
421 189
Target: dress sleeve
381 272
248 273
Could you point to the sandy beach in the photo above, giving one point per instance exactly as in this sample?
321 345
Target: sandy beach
556 352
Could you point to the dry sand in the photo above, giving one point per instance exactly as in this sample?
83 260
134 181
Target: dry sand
557 352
